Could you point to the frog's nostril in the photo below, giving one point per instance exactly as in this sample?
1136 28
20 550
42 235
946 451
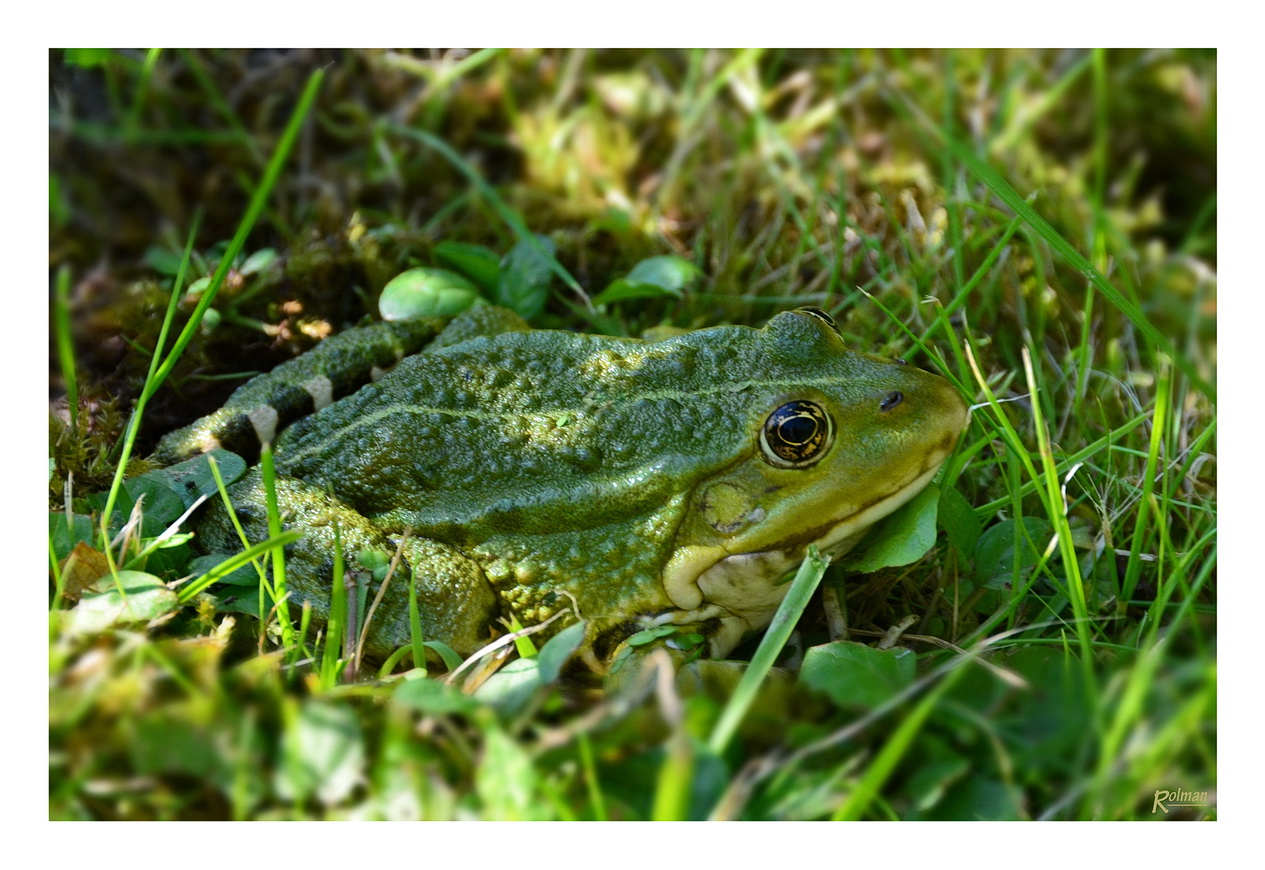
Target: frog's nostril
891 400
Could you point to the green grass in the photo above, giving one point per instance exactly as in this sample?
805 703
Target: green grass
1006 218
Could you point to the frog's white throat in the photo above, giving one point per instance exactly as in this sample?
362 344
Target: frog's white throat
744 589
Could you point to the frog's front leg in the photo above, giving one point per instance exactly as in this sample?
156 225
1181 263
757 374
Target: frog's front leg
709 631
456 605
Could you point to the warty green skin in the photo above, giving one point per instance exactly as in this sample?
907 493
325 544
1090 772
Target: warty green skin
626 481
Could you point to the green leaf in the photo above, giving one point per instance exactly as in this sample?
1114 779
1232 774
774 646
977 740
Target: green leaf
928 784
999 558
138 597
978 799
506 780
652 278
558 649
855 675
901 538
650 635
526 272
198 286
376 561
621 290
160 507
88 57
258 261
959 521
669 272
323 753
164 261
509 689
433 697
477 262
487 192
452 660
426 292
65 534
165 742
192 478
58 208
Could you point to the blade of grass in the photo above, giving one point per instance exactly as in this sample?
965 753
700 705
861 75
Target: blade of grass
952 204
946 311
878 771
133 426
591 781
265 585
231 564
1084 349
1159 420
256 206
1007 194
65 346
775 636
1113 437
159 372
336 625
219 104
1022 121
59 582
1128 710
1002 189
269 473
672 790
132 124
416 639
1056 510
693 112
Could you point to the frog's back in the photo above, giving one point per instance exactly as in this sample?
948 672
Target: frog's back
490 429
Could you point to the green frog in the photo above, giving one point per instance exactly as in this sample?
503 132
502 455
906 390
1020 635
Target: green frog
524 473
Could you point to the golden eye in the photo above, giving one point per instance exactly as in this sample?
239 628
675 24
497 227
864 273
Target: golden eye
796 435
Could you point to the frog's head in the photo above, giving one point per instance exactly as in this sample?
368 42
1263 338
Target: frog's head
834 441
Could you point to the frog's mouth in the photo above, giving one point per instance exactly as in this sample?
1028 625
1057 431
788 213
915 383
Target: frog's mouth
743 590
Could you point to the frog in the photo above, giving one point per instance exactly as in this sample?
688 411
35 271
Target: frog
520 477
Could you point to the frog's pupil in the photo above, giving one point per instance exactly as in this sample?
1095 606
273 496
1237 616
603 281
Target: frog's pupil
797 430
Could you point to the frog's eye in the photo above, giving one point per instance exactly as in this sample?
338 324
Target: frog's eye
813 311
796 435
